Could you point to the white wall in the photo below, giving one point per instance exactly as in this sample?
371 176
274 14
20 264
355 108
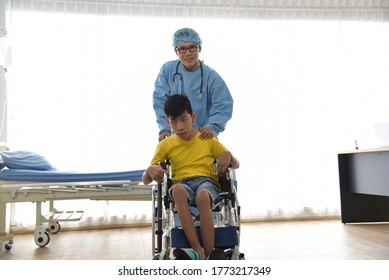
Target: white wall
303 90
3 108
3 50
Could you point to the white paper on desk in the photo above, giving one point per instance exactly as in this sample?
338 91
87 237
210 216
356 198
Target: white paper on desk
382 131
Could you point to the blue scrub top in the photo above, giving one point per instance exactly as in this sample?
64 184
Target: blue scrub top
213 107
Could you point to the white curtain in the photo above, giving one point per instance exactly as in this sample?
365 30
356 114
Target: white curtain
80 90
218 9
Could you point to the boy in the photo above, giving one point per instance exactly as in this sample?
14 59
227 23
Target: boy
194 182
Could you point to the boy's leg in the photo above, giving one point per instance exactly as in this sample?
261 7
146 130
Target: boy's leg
180 197
203 203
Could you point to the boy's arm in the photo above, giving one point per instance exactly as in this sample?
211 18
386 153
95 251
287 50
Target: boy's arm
225 159
153 172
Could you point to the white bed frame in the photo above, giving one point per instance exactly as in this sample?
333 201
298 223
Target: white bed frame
38 192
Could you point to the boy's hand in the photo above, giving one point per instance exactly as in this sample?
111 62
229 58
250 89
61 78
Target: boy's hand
224 162
156 173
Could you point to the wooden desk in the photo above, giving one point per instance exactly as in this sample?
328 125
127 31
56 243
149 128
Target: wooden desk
364 185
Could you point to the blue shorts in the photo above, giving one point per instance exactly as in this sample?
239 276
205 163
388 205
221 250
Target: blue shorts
195 184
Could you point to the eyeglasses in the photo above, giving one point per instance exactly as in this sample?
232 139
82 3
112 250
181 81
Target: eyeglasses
183 50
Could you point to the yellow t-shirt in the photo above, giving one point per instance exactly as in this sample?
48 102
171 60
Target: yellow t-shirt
189 158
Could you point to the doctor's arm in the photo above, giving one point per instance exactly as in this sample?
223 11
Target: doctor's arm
221 107
160 94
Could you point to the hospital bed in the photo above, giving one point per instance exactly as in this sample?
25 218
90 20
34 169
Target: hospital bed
21 185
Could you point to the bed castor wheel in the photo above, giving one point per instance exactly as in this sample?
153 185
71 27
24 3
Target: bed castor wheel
54 227
8 246
42 237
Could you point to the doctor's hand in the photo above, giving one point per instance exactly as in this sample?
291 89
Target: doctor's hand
163 135
206 133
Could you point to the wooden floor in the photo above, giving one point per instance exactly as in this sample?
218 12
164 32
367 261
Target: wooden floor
291 240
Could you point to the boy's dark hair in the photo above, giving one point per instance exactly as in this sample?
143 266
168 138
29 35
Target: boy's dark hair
176 105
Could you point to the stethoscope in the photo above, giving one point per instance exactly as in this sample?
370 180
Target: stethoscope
180 78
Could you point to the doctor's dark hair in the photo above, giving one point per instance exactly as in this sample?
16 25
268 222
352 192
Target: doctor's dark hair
176 105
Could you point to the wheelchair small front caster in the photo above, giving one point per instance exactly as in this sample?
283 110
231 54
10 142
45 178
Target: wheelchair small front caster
164 255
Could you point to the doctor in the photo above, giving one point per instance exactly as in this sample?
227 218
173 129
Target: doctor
205 88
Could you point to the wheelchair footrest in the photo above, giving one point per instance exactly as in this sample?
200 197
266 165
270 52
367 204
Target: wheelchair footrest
224 237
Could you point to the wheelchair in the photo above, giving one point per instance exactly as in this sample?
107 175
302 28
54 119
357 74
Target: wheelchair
166 228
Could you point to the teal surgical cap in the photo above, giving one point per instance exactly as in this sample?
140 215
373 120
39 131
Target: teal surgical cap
186 35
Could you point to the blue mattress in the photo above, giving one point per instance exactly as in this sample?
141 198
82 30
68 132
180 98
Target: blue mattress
60 176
